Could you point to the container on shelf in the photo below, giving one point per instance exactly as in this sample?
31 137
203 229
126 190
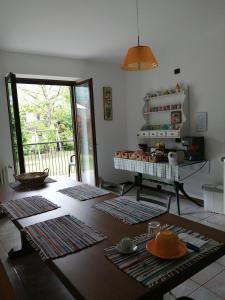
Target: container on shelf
175 133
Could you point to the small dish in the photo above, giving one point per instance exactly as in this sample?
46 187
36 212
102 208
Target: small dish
129 251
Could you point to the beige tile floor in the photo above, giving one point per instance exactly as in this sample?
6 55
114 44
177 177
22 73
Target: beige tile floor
208 284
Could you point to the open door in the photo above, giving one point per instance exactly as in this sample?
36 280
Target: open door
14 120
37 147
86 143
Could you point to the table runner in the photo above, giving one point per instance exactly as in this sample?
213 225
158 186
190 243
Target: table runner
129 211
150 270
161 170
26 207
18 186
61 236
83 192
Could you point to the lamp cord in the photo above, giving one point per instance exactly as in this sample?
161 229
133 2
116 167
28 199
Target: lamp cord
186 177
138 30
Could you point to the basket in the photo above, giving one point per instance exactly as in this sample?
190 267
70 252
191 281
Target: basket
145 157
33 179
126 154
156 159
118 154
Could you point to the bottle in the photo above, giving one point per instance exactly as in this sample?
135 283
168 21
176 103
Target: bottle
178 88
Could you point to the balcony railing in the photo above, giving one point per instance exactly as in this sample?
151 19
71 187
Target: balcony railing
52 155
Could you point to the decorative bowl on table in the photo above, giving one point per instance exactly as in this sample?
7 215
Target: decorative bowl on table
166 245
32 179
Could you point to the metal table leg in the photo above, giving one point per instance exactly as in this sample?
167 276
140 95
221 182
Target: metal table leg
179 187
138 184
176 185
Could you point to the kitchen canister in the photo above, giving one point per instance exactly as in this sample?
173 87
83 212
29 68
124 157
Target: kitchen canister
177 157
173 158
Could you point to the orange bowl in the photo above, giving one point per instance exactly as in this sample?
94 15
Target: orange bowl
166 245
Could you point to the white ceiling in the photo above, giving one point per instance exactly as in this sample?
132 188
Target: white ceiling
102 30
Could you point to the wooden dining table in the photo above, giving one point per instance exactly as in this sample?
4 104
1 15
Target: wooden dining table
88 274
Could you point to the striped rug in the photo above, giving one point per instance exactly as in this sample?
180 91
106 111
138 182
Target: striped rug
83 192
129 211
152 271
61 236
26 207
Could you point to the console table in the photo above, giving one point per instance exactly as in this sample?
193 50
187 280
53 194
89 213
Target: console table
163 173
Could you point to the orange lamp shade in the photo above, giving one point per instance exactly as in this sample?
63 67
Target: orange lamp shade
139 58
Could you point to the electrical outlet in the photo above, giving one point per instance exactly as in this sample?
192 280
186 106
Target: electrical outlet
176 71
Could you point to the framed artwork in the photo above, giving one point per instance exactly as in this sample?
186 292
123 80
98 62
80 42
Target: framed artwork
107 103
201 121
176 117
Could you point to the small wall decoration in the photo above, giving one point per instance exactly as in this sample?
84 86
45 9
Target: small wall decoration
107 103
201 121
176 117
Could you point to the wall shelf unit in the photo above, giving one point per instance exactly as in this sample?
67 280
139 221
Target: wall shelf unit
171 134
166 116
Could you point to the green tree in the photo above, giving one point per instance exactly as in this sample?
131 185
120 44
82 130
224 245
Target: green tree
44 109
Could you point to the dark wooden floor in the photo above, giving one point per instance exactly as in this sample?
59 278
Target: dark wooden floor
29 276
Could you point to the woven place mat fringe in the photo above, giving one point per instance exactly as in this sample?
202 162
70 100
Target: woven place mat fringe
129 211
17 186
150 270
83 192
26 207
61 236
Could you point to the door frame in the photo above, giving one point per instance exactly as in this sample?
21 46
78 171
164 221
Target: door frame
92 109
72 84
12 79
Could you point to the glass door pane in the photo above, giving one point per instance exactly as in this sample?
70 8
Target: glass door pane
47 127
86 131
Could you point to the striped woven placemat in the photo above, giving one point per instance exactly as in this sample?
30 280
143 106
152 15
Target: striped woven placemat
61 236
150 270
26 207
83 192
129 211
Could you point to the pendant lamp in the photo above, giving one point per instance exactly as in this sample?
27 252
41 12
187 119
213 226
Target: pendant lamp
139 57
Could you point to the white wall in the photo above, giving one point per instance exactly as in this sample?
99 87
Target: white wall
111 135
200 55
202 63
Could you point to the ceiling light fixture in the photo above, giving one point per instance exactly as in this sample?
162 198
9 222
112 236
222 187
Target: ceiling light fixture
139 57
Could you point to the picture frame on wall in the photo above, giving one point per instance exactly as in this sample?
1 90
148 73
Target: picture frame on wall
201 121
176 117
107 103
